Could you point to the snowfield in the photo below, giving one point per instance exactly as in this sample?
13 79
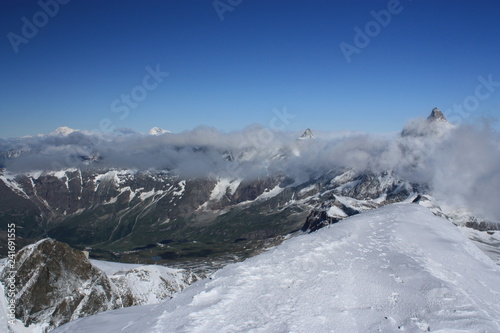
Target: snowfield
397 268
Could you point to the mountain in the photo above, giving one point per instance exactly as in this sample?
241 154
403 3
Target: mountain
308 134
396 268
55 284
436 115
130 215
63 131
203 199
158 131
435 125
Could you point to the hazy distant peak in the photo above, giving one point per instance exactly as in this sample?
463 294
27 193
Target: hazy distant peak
63 131
435 125
158 131
308 134
436 115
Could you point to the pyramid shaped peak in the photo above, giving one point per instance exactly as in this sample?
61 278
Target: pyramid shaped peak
308 134
436 114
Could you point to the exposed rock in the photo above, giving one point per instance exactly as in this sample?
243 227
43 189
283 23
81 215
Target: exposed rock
308 134
435 125
326 214
55 284
436 115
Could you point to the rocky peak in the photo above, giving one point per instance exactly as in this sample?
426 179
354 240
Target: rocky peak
308 134
56 283
436 115
435 125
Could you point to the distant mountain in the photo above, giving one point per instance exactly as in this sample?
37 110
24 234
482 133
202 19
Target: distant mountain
437 115
435 125
158 131
63 131
206 189
308 134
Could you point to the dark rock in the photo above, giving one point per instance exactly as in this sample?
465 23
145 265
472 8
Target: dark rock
55 283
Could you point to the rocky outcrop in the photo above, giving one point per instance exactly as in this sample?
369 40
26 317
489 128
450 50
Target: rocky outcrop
327 213
308 134
436 115
435 125
55 283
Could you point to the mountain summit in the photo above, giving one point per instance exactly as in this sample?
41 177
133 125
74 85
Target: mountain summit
436 115
158 131
63 131
308 134
435 125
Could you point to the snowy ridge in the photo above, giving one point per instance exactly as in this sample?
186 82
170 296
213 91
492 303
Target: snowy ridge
395 268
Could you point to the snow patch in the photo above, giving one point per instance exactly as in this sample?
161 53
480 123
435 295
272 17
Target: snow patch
335 211
270 193
182 185
224 186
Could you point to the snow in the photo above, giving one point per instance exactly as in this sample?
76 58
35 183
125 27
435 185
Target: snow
223 186
111 175
335 211
270 193
61 175
158 131
143 196
34 174
111 268
182 185
395 268
487 241
8 180
308 189
63 131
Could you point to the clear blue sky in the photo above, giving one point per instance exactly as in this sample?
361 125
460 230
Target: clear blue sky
231 73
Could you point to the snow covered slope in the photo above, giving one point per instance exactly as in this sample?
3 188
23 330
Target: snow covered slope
395 268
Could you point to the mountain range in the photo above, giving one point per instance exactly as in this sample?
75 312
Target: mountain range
202 199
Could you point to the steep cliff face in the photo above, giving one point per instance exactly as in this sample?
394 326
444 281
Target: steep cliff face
55 283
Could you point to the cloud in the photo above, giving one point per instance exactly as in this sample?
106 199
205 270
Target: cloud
460 165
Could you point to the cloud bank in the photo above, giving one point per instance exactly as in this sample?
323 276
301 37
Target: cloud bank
460 165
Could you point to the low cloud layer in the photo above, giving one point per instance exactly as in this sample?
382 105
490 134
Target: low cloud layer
461 165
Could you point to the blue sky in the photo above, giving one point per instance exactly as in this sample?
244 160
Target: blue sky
233 72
